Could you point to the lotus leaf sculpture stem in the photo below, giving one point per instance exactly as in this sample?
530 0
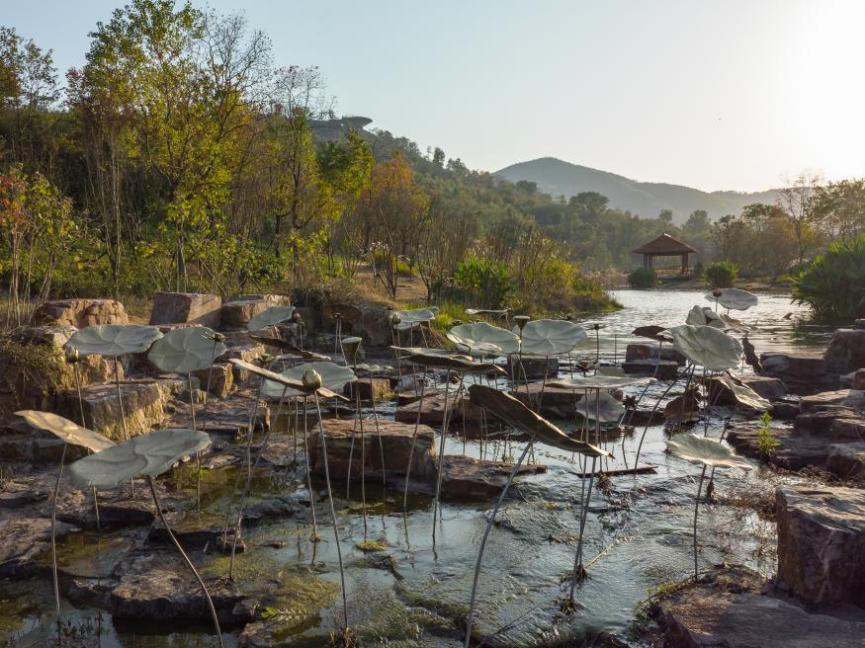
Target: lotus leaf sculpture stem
84 424
446 419
579 570
413 442
649 420
487 529
696 511
187 561
332 508
54 531
197 454
315 537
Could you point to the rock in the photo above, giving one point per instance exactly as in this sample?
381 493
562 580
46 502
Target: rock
821 422
729 607
733 391
228 418
662 370
143 404
769 388
784 410
821 544
859 324
186 308
533 367
469 479
642 351
683 408
813 401
79 313
556 402
368 388
858 381
396 439
802 373
243 349
155 590
235 314
219 378
846 460
432 410
24 538
846 351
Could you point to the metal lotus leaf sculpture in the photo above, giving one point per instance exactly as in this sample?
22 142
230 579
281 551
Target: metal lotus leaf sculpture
186 349
113 340
601 407
270 317
734 298
292 383
600 381
66 430
289 350
441 359
333 378
705 316
706 452
742 394
405 319
483 339
145 455
515 414
551 337
707 346
487 311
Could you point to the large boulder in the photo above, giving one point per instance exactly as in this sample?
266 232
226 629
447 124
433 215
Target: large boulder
237 312
396 446
532 367
79 313
846 460
821 544
186 308
802 373
846 351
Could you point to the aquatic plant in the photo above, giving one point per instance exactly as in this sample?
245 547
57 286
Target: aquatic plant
834 283
704 452
71 434
515 414
767 444
148 456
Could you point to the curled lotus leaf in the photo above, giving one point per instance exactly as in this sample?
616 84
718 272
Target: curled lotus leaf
515 414
704 451
113 340
290 383
407 319
704 316
742 394
186 349
441 359
707 346
600 381
484 339
734 298
66 430
145 455
270 317
551 336
333 378
601 407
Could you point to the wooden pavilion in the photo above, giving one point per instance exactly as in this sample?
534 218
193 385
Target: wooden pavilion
665 246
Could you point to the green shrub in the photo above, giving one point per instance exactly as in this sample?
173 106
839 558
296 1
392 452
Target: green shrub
643 278
767 444
721 274
485 282
834 284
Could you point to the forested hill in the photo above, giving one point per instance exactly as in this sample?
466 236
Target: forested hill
559 178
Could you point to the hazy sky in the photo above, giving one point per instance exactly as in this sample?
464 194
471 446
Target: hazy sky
716 95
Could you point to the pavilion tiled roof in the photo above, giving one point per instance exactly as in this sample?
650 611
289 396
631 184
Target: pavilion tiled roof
664 244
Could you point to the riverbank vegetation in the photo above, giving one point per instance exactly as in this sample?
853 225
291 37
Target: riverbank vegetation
183 156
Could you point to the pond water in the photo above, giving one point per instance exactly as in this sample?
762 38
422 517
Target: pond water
416 592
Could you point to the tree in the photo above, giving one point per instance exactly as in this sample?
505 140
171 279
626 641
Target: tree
797 202
395 209
438 157
666 216
840 207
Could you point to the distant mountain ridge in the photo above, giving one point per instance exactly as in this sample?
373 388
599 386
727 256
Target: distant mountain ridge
559 178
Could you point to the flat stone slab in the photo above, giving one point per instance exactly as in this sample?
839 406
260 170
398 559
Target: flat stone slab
821 544
661 369
227 418
79 313
186 308
556 402
833 397
469 479
846 460
24 538
645 351
533 367
728 609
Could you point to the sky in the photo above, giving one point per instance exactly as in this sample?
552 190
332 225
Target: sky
732 94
